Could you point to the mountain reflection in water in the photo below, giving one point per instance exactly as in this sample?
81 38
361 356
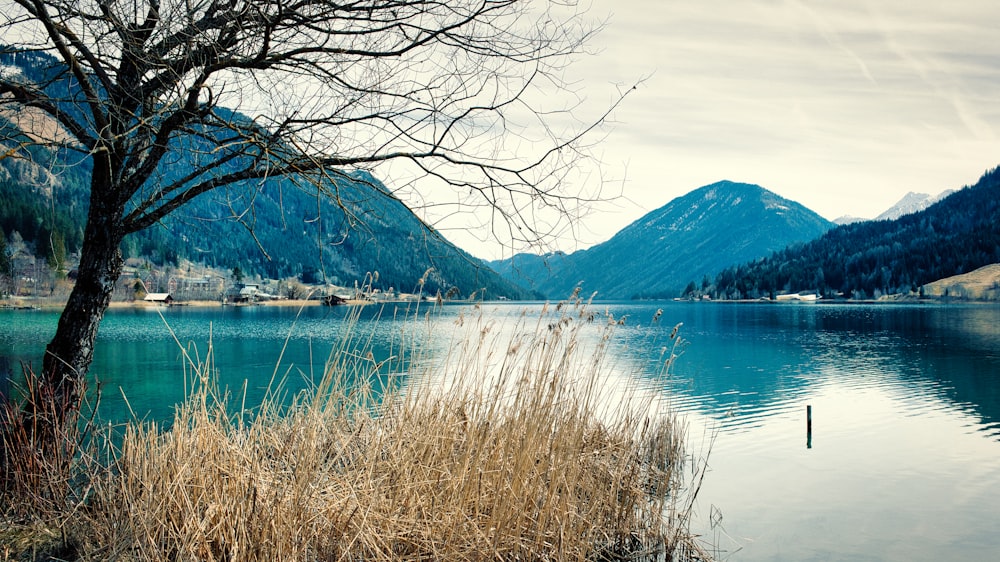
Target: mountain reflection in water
905 457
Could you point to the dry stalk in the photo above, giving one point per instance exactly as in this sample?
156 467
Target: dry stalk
508 447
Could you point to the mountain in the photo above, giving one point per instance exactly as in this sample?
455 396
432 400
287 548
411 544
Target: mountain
912 203
284 230
529 270
956 235
692 236
848 219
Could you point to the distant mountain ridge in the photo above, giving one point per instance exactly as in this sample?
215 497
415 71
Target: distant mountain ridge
692 236
911 203
865 260
45 193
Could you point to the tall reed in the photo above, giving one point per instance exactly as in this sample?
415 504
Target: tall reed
510 445
45 468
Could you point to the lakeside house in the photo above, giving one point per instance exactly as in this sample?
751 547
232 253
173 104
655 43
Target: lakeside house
159 298
248 293
796 297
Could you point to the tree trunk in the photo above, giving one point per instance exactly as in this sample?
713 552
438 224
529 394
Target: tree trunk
69 354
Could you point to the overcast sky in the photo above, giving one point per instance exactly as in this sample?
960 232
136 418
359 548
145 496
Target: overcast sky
842 106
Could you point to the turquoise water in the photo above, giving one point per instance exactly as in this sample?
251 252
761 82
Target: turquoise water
143 359
904 459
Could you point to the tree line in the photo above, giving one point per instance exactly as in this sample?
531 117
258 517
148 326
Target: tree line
874 258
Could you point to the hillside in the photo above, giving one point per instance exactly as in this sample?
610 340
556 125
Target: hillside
275 228
956 235
981 284
692 236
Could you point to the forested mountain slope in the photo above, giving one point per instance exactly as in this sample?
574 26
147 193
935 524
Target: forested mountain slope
690 237
276 227
866 260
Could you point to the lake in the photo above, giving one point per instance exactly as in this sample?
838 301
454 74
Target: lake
903 461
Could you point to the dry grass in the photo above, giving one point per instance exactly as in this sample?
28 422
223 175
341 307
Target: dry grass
981 284
43 460
509 448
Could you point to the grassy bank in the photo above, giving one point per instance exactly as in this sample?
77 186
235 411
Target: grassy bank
514 445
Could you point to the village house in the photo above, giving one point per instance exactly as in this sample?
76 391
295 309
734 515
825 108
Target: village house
159 298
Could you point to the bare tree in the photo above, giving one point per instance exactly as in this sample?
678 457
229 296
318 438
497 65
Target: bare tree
245 90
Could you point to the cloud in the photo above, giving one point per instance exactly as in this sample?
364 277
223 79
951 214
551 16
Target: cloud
843 106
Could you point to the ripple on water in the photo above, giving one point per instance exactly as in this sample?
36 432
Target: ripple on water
905 461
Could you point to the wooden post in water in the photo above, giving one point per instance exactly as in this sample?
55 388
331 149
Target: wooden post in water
809 426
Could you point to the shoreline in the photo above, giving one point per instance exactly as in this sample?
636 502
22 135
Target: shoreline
207 304
298 303
57 304
49 303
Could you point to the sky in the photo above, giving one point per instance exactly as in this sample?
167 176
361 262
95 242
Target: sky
841 106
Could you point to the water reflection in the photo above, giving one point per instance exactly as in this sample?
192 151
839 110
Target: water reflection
744 363
144 358
904 464
739 364
904 461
